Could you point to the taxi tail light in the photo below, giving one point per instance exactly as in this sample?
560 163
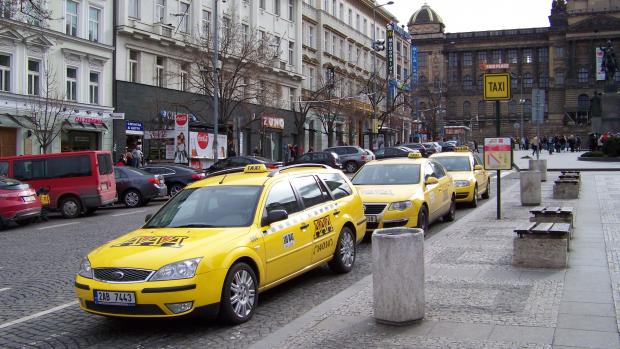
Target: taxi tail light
363 157
198 176
153 180
272 166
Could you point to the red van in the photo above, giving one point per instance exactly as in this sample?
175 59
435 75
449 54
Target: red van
79 182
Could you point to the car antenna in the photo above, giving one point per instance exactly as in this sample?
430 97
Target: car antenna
223 178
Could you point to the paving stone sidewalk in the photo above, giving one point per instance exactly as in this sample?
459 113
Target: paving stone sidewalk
475 298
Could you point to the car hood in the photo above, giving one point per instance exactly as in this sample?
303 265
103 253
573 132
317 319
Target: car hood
461 175
154 248
388 193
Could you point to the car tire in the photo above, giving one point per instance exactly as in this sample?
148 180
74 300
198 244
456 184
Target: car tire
423 218
344 255
132 198
175 188
451 215
70 207
474 201
241 288
351 166
487 193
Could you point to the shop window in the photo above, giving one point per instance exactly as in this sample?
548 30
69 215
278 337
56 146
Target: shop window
93 88
34 82
71 84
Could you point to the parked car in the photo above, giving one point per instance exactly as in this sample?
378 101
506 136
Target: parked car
370 154
419 147
18 202
136 187
78 182
319 157
175 176
433 145
394 152
351 157
241 161
447 146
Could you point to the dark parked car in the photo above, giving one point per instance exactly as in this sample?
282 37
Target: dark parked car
351 157
241 161
136 187
419 147
319 157
447 146
176 176
393 152
18 202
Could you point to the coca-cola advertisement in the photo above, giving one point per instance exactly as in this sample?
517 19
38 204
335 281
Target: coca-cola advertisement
181 128
201 145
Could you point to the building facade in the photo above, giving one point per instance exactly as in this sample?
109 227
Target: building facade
560 59
56 77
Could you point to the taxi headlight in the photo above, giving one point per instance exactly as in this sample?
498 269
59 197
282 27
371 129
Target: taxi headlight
85 269
400 205
177 270
462 183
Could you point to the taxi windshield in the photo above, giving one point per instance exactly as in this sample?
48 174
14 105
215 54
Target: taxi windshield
454 163
388 174
209 207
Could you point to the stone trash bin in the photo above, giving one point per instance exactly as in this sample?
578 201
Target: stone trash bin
398 275
541 166
530 188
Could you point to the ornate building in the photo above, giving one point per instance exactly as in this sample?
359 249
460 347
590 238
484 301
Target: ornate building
560 59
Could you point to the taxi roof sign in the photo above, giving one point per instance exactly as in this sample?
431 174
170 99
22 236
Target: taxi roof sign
255 168
414 155
497 87
463 148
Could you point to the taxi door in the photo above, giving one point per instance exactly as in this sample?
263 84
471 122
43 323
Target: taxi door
482 176
444 187
288 243
432 192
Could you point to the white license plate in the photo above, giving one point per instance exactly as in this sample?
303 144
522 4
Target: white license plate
28 198
371 219
115 298
104 186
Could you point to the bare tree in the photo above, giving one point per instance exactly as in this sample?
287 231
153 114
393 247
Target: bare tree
432 95
33 11
309 100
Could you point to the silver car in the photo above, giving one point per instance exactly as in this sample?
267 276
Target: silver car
352 157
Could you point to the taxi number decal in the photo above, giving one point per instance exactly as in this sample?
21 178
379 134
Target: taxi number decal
323 245
289 240
322 226
445 195
431 197
160 241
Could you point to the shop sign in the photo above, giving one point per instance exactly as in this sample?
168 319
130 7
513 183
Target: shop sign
134 128
390 50
117 116
272 122
87 120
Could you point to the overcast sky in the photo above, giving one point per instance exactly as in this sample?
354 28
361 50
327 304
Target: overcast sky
477 15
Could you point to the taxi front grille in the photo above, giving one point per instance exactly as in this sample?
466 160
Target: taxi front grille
372 226
138 309
122 274
461 195
374 208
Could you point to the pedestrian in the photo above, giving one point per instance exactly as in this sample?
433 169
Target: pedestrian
578 143
476 146
550 145
295 152
128 157
122 161
137 156
310 149
535 144
527 143
255 152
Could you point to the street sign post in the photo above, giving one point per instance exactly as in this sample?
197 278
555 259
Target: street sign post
538 112
497 153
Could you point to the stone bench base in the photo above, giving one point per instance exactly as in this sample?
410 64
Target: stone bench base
540 252
566 191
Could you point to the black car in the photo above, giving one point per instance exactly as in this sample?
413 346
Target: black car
393 152
419 147
241 161
176 176
136 187
319 157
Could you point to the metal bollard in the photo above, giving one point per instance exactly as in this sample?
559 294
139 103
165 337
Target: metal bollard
398 275
530 188
540 166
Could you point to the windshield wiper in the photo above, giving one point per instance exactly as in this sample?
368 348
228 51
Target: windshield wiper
193 225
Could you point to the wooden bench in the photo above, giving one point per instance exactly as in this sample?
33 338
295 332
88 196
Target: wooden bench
541 245
552 214
566 189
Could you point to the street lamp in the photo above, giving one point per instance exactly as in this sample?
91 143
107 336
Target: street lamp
216 86
522 103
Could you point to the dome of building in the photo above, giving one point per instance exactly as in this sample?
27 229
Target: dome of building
425 15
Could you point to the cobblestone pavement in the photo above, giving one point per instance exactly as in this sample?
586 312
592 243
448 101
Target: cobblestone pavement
38 264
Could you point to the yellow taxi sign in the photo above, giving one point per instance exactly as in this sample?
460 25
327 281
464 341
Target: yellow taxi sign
255 168
497 87
414 155
462 149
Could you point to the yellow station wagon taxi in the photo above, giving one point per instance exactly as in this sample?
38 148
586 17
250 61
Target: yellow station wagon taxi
405 192
214 246
471 180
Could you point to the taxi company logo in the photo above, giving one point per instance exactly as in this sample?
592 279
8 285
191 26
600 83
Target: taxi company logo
322 226
181 119
118 275
203 140
156 241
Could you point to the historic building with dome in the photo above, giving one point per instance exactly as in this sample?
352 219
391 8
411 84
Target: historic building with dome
560 59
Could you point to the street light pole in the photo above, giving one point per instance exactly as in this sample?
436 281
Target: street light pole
374 69
216 89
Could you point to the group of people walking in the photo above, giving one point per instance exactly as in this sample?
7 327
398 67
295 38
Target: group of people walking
557 143
133 157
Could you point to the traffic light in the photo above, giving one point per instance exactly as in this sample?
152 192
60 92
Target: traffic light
378 45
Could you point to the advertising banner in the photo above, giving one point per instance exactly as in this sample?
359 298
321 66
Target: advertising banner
201 146
600 72
390 50
414 66
181 129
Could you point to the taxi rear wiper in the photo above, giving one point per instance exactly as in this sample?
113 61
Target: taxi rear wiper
193 225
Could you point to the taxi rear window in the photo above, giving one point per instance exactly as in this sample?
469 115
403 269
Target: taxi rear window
455 163
392 174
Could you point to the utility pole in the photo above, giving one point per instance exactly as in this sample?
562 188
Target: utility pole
377 46
216 82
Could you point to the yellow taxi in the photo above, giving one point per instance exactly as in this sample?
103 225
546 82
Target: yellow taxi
405 192
471 180
214 246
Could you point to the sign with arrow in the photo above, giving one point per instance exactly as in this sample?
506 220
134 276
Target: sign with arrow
497 154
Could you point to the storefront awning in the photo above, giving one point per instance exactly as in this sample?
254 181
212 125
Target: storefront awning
87 126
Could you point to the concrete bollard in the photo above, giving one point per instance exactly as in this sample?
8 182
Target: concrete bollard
398 275
541 166
530 188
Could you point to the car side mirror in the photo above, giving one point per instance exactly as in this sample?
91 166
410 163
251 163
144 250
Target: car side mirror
431 180
478 168
148 217
274 216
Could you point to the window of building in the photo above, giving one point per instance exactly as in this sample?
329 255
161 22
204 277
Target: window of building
482 57
311 36
512 56
334 43
528 80
276 7
185 16
543 55
71 18
527 107
160 11
543 80
559 52
512 107
453 59
134 8
365 27
583 75
342 48
341 12
559 78
261 4
184 83
292 92
133 66
291 10
482 108
358 21
34 77
291 53
467 59
5 73
311 77
467 82
527 56
583 103
350 52
6 10
480 81
497 56
94 16
159 71
71 86
246 32
422 59
206 22
514 82
350 17
326 44
466 108
93 88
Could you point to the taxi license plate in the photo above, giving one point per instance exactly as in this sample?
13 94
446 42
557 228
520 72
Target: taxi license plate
115 298
45 199
371 219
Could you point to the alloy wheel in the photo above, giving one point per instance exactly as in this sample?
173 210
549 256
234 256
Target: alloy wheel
242 293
